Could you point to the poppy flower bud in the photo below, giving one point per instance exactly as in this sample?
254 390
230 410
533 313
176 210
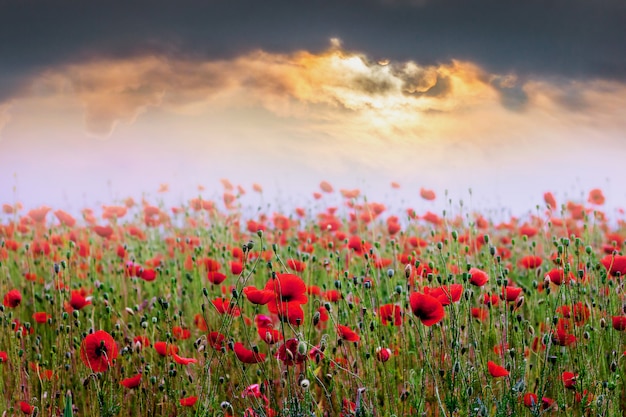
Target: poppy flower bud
305 384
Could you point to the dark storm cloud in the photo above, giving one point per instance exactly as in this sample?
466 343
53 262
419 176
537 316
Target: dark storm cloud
569 38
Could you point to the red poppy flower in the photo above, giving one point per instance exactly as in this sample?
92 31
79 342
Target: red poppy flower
200 322
562 337
165 349
531 400
188 401
224 307
527 230
183 361
77 300
557 276
45 374
581 313
383 354
551 201
236 267
496 371
390 313
142 340
446 294
181 333
530 262
478 277
296 265
510 293
614 264
289 354
4 357
479 313
619 323
596 197
259 297
569 380
269 335
427 194
41 317
216 340
585 396
98 351
427 308
216 277
103 231
326 187
12 299
247 355
347 334
289 293
132 382
148 274
26 408
332 295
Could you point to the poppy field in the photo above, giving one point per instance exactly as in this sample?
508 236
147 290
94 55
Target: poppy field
339 307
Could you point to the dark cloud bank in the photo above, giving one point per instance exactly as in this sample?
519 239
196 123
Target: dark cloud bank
577 39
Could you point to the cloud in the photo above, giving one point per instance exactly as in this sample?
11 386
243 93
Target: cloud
335 92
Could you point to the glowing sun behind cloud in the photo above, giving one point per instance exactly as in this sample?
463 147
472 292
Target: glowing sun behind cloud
332 114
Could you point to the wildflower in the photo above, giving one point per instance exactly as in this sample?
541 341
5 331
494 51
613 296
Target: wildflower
614 264
4 357
289 353
289 294
183 361
426 194
496 371
148 274
296 265
619 323
478 277
78 300
383 354
98 351
446 294
531 400
188 401
390 313
247 355
142 341
132 382
510 293
347 333
530 262
12 299
569 380
181 333
550 201
256 296
165 349
427 308
216 277
41 317
596 197
26 408
480 313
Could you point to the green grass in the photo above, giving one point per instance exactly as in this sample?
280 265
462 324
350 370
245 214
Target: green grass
432 370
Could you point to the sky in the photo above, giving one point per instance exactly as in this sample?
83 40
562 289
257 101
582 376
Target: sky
102 100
